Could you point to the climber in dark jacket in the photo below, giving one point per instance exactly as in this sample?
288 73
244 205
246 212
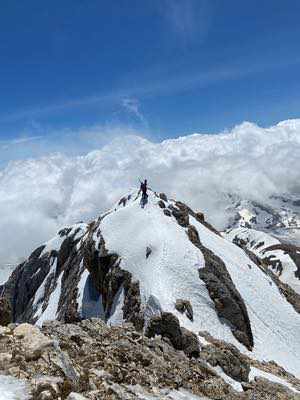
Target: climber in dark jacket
144 189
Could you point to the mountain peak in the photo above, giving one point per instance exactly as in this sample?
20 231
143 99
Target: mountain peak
163 268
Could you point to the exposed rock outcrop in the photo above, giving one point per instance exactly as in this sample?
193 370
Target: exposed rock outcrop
228 302
89 360
167 325
5 312
185 307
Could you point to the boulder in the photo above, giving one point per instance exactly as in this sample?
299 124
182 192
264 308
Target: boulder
185 307
167 212
232 362
167 325
33 340
161 204
190 343
163 196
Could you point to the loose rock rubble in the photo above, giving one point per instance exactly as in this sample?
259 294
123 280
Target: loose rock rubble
89 360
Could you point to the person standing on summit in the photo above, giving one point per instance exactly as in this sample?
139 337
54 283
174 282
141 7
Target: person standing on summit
144 189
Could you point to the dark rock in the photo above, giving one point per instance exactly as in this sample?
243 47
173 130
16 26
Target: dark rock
182 217
167 325
184 306
123 201
132 304
148 251
232 362
229 304
163 196
199 216
5 311
167 212
161 204
170 328
190 343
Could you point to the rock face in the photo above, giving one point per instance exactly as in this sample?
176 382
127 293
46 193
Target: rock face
64 267
5 311
228 302
90 360
185 307
167 325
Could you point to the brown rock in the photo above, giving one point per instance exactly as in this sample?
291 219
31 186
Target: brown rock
184 306
5 312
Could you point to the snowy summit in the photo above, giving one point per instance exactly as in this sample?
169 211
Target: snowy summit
163 268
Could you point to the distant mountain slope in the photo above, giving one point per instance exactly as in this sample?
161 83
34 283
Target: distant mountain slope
278 216
282 259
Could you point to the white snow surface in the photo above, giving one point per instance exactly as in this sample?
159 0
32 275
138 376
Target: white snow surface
39 295
116 317
274 322
254 241
51 310
171 272
5 271
12 389
233 383
256 372
162 394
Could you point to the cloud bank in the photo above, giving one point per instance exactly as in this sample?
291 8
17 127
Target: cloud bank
38 196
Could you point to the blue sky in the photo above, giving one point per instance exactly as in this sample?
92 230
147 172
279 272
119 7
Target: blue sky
161 67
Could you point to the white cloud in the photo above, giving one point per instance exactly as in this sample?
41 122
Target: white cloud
132 106
5 144
38 196
190 19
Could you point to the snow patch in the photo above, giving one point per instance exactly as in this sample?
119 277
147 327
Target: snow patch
233 383
13 389
256 372
51 310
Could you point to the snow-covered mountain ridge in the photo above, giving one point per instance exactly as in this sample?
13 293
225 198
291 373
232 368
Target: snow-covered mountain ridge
278 216
153 267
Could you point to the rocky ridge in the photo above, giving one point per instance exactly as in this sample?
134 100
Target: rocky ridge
91 359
